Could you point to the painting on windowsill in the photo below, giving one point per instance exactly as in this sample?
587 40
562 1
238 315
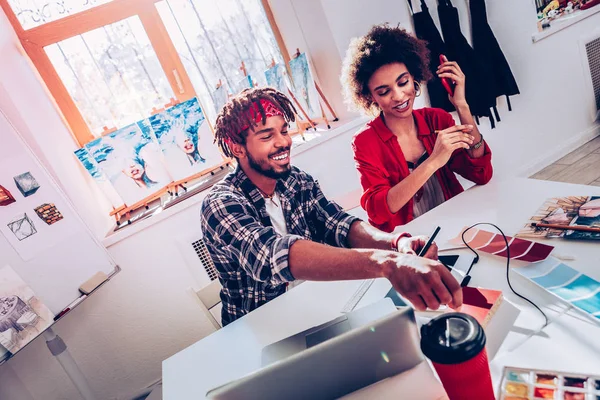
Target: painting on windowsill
185 139
133 162
140 162
304 89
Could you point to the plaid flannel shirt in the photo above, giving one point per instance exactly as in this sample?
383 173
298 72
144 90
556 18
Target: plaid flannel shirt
250 257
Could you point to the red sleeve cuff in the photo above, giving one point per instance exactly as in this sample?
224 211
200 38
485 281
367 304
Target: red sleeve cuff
482 161
374 202
397 239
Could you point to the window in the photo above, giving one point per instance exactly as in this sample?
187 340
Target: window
112 74
212 38
32 13
111 63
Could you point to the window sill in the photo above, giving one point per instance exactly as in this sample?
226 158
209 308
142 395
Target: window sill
313 139
321 136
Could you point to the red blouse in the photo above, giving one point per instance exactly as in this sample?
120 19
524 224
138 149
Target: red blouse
381 165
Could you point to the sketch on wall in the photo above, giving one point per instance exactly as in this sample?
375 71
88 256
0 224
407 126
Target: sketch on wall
26 184
5 197
22 315
22 227
48 213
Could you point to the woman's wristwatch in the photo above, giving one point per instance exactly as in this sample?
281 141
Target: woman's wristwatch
478 144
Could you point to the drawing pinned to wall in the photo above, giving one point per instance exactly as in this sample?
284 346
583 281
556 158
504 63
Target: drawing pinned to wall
5 197
48 213
304 89
22 227
22 315
26 184
185 138
19 225
99 177
565 211
132 161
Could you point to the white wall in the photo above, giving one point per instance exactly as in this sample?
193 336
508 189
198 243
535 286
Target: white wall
121 335
549 118
303 24
26 102
352 18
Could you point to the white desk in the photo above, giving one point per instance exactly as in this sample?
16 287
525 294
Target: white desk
569 342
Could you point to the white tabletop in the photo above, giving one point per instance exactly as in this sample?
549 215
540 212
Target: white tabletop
568 343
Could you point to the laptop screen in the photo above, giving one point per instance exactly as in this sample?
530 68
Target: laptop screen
326 333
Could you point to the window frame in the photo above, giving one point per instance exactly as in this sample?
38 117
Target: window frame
35 39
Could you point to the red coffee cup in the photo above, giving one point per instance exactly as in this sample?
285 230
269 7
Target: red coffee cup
455 344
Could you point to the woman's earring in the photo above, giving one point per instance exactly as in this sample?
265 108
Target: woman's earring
417 89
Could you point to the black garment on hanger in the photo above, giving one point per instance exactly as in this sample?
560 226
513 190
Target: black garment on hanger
426 30
480 87
486 47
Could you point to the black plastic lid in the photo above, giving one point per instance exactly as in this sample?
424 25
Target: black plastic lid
452 338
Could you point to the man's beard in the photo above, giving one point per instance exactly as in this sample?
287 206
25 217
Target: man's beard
269 172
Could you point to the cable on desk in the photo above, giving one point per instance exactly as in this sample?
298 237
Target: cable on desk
467 277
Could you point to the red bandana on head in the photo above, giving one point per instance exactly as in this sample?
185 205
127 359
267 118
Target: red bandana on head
271 110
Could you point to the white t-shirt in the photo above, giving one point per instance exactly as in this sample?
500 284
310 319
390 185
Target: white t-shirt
275 211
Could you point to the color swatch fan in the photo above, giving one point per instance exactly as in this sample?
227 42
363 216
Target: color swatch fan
493 243
565 282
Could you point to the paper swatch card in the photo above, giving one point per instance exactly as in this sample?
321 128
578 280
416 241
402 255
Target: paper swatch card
566 283
493 243
481 303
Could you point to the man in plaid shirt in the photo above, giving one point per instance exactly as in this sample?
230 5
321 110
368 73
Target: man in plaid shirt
268 223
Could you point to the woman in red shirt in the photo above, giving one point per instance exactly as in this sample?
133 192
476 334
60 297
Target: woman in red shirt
407 158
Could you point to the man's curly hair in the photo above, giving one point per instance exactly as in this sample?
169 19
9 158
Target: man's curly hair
234 115
382 45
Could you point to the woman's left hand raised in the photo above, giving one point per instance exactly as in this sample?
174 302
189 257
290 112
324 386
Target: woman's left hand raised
450 70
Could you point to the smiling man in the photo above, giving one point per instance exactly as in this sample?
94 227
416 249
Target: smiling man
268 223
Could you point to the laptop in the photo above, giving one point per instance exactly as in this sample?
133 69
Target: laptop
336 366
319 334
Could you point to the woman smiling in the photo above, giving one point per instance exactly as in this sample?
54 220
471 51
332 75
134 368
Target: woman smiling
406 158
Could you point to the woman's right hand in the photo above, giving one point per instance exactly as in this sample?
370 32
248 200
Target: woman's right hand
449 140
